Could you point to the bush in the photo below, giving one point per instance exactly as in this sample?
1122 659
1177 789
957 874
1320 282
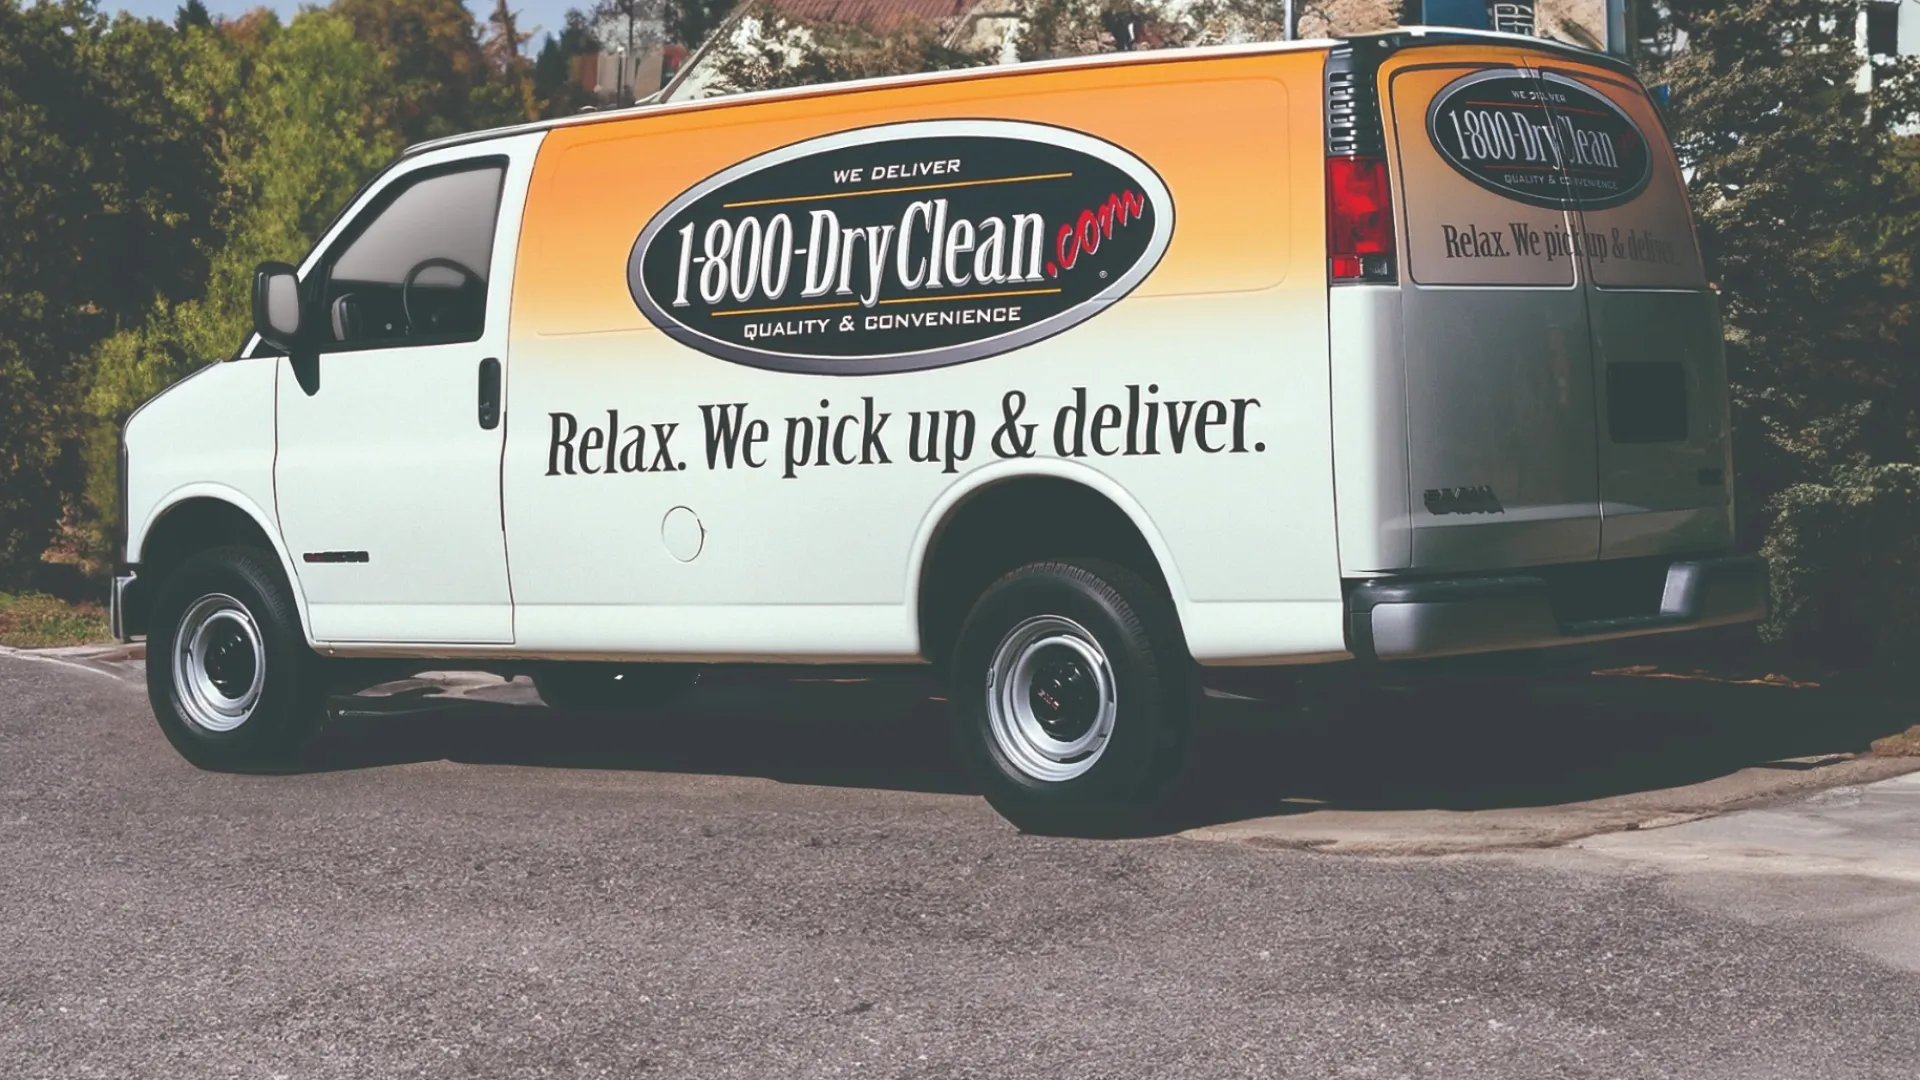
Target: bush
106 169
304 129
1845 558
1808 206
34 620
769 50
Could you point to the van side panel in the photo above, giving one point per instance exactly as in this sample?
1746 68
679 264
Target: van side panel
174 455
814 561
1370 428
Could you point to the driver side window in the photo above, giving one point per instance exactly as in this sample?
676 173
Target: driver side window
415 271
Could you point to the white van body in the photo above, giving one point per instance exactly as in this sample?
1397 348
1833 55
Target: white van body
650 444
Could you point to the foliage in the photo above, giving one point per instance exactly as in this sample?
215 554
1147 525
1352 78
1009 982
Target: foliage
508 93
106 171
1809 218
690 21
1846 562
775 50
35 620
302 122
439 72
193 15
1054 28
148 167
553 83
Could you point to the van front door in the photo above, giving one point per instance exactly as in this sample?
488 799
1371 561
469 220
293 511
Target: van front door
387 475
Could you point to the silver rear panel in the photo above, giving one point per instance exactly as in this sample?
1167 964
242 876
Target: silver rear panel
1558 389
1660 494
1500 397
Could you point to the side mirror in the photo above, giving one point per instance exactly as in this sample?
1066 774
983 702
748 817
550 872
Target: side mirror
279 319
276 305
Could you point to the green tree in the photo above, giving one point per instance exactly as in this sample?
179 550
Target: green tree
437 66
788 52
554 85
1809 216
304 125
509 89
689 22
1057 28
1054 28
106 170
193 14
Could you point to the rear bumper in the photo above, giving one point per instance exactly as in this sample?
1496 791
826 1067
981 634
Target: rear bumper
1404 620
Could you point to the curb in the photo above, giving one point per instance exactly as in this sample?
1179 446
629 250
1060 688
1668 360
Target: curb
123 662
1507 829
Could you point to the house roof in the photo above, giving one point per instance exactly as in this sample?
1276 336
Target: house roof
651 106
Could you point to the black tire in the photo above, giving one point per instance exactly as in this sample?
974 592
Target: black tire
592 687
1149 676
280 711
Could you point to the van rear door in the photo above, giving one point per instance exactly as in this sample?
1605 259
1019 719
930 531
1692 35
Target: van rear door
1499 365
1660 389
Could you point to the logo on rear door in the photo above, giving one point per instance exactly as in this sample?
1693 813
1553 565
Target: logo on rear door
1541 138
901 247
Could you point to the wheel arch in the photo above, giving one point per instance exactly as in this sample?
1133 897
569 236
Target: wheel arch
959 550
202 516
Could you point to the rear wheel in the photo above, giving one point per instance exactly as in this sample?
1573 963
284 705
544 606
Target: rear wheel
613 687
1073 695
229 674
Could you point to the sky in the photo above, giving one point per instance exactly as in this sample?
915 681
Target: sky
539 17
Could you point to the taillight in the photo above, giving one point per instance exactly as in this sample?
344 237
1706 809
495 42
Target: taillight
1359 219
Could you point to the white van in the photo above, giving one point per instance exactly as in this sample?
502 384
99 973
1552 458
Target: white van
1074 378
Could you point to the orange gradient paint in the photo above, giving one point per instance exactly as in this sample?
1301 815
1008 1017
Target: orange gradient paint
1237 140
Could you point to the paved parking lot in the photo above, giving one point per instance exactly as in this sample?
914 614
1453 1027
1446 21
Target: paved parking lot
785 878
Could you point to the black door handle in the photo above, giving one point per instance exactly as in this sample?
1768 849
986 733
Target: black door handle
489 393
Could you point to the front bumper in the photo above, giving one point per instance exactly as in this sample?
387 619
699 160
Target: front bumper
1391 619
126 609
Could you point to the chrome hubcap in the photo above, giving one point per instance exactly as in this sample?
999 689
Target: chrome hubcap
219 663
1050 698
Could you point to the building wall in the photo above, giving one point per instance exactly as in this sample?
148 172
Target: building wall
1331 18
995 24
1579 22
615 70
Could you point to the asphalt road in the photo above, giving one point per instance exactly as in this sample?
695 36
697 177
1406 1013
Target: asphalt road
786 881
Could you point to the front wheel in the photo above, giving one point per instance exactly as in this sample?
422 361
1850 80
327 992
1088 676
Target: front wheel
229 674
1072 694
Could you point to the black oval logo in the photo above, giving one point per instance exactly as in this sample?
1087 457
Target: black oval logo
1541 138
901 247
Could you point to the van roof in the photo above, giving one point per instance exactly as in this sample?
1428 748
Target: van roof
1389 41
